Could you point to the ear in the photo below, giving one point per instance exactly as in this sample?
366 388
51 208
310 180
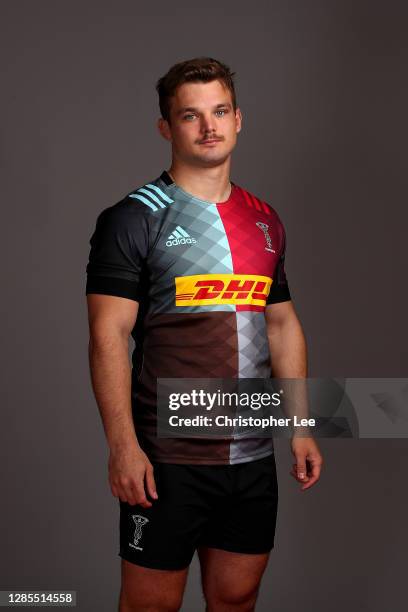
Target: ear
238 119
164 128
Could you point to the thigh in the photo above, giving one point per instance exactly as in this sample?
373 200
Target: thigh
230 579
245 522
146 589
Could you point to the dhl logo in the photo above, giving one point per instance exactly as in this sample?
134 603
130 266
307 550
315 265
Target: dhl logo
202 289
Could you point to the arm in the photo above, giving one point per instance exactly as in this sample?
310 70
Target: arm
287 343
111 320
288 353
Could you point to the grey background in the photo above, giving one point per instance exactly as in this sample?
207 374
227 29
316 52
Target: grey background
323 91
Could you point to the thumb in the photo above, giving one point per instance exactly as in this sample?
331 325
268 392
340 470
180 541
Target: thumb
301 468
150 483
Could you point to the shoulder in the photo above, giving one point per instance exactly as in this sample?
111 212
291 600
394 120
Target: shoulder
152 197
137 206
259 204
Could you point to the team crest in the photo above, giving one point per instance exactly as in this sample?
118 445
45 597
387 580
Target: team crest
265 227
139 522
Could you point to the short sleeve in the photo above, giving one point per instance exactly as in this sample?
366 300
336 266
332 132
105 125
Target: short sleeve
119 248
280 289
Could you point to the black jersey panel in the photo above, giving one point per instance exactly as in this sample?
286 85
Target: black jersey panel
279 291
119 249
119 287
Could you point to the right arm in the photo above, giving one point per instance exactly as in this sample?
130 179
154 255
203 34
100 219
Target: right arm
111 320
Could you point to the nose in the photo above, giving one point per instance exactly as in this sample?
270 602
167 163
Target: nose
208 124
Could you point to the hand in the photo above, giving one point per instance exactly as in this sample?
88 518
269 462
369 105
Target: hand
131 476
308 461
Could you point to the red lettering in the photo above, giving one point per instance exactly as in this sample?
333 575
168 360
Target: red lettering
260 285
204 293
241 288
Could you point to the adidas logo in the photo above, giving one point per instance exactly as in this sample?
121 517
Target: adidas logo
179 236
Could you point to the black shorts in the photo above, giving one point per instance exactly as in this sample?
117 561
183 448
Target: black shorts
229 507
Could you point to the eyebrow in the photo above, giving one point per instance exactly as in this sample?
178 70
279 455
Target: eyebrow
196 110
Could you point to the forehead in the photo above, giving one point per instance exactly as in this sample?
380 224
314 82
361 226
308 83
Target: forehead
200 95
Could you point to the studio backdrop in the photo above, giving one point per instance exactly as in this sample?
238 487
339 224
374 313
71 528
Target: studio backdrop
323 92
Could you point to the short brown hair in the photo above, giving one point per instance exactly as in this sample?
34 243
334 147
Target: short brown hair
204 69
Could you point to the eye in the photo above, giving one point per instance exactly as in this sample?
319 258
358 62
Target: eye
188 116
222 110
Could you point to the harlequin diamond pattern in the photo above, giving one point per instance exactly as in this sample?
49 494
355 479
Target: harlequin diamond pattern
253 346
193 345
209 255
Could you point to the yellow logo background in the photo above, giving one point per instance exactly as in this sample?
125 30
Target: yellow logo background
201 289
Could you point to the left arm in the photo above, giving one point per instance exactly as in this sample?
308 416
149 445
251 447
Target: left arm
288 353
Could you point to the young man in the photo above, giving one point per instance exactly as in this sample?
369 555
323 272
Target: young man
192 266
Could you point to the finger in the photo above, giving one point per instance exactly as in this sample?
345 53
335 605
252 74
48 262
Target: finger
123 496
316 470
309 484
114 490
145 504
314 477
119 492
139 493
300 467
293 470
133 493
294 473
150 483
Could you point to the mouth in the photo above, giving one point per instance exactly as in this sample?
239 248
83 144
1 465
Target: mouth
210 141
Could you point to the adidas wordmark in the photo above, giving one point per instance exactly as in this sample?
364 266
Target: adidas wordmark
179 236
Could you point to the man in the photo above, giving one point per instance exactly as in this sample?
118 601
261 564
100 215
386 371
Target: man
192 266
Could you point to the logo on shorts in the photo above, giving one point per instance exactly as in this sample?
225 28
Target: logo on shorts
265 227
139 522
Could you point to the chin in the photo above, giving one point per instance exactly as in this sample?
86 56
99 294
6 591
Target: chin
214 157
212 163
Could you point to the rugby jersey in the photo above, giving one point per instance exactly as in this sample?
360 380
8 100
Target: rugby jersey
202 274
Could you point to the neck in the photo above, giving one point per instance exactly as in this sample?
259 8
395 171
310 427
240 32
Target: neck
210 184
